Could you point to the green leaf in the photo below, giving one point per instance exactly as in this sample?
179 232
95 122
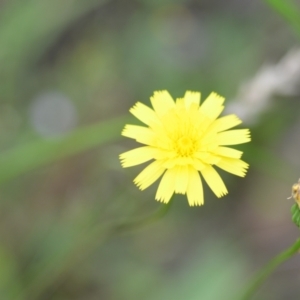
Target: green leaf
296 214
45 151
289 11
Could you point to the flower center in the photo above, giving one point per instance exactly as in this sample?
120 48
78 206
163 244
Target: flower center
185 146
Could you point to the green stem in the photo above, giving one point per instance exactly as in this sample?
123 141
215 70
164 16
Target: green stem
141 222
49 274
263 274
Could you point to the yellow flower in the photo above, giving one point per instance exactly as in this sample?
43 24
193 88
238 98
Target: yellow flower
185 140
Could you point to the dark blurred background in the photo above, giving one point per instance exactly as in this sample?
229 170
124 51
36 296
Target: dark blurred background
74 68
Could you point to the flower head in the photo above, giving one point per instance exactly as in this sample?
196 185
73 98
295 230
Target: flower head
184 140
296 192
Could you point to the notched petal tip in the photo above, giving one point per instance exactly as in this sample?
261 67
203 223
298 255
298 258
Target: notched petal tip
123 132
216 97
214 94
144 113
138 184
162 95
122 159
212 106
248 134
160 91
196 203
162 200
222 194
133 106
191 97
162 102
122 162
233 137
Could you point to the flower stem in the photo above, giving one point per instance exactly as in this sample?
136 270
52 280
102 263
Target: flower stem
263 274
48 275
140 222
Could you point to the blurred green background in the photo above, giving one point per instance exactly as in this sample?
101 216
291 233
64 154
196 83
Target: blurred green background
69 72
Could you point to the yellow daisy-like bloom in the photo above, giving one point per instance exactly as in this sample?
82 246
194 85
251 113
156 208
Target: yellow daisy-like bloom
185 140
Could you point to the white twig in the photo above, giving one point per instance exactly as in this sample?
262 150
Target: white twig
254 96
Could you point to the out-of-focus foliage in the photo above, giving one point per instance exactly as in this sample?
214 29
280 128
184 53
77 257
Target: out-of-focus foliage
289 10
69 71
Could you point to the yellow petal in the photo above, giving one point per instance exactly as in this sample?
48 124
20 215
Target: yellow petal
144 113
233 166
167 186
197 164
191 97
214 181
162 154
225 123
162 102
180 104
137 156
149 175
171 162
141 134
227 152
212 106
182 179
207 157
208 141
233 137
185 140
195 189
